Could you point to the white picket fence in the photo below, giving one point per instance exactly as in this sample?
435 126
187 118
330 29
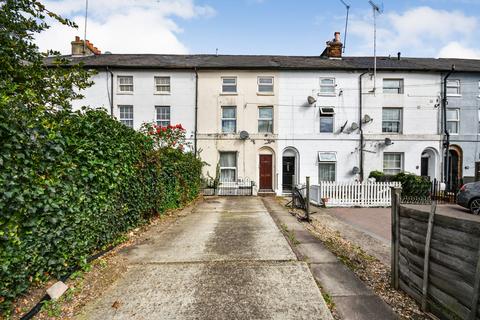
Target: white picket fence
352 194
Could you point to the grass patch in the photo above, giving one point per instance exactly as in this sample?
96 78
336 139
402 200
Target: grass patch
290 235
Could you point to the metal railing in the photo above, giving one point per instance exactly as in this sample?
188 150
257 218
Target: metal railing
241 187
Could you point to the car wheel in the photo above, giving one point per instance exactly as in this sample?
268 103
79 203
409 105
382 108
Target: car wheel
475 206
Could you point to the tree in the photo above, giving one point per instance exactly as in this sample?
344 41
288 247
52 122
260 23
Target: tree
25 81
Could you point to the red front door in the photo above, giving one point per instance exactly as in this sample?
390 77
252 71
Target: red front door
266 171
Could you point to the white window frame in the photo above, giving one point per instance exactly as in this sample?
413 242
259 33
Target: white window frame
119 86
272 84
229 85
454 83
457 120
158 121
229 119
229 168
400 121
329 158
265 119
157 85
400 89
327 112
126 120
333 86
400 169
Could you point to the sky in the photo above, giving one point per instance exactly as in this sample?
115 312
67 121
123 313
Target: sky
416 28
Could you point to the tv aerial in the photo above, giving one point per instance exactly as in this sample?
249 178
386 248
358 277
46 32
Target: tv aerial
347 6
376 9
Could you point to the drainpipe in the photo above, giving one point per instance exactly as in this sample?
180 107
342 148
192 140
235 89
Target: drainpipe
446 142
196 112
360 123
111 90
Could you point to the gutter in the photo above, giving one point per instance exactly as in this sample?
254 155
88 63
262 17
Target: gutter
111 90
446 143
196 112
360 123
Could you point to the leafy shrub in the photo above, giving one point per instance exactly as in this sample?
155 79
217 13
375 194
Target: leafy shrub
71 183
413 186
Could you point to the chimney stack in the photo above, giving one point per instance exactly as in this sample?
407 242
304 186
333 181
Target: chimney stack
81 49
334 48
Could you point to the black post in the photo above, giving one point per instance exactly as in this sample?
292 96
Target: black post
446 143
360 104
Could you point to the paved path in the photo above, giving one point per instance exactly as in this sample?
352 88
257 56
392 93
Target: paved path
228 260
353 299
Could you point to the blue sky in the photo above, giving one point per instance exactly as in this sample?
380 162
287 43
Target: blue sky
425 28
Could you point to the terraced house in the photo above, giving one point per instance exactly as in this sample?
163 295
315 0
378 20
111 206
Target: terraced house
275 119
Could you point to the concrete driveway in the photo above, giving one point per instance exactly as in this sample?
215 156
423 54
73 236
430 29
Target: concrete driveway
228 260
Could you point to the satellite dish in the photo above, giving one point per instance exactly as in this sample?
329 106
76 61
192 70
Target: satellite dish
311 100
354 126
366 119
244 135
388 142
355 170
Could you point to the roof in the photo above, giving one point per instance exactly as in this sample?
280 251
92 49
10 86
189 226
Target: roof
168 61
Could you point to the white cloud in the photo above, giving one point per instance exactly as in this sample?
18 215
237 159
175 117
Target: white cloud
421 31
123 26
455 50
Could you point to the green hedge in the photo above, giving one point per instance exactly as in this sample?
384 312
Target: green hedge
71 183
413 186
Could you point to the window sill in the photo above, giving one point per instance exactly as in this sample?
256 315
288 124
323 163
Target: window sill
326 94
162 93
265 94
229 93
125 93
454 95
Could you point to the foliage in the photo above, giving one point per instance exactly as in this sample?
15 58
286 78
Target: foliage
413 186
169 136
73 182
25 81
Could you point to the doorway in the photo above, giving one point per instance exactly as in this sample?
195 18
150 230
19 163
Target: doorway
266 166
288 173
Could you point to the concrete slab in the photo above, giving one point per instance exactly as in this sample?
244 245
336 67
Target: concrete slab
221 262
363 308
338 280
213 291
304 236
315 252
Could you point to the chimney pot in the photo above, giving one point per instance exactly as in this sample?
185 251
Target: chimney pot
399 55
337 36
77 38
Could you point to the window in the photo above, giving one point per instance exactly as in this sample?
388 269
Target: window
393 86
327 86
453 87
326 119
126 115
229 85
125 83
392 163
453 120
162 85
392 120
479 89
265 119
327 163
265 84
228 166
163 116
229 119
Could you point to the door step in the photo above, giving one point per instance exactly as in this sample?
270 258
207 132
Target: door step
266 193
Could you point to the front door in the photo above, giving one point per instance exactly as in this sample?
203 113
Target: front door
424 167
266 171
288 173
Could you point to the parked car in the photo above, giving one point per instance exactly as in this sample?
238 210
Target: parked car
469 196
